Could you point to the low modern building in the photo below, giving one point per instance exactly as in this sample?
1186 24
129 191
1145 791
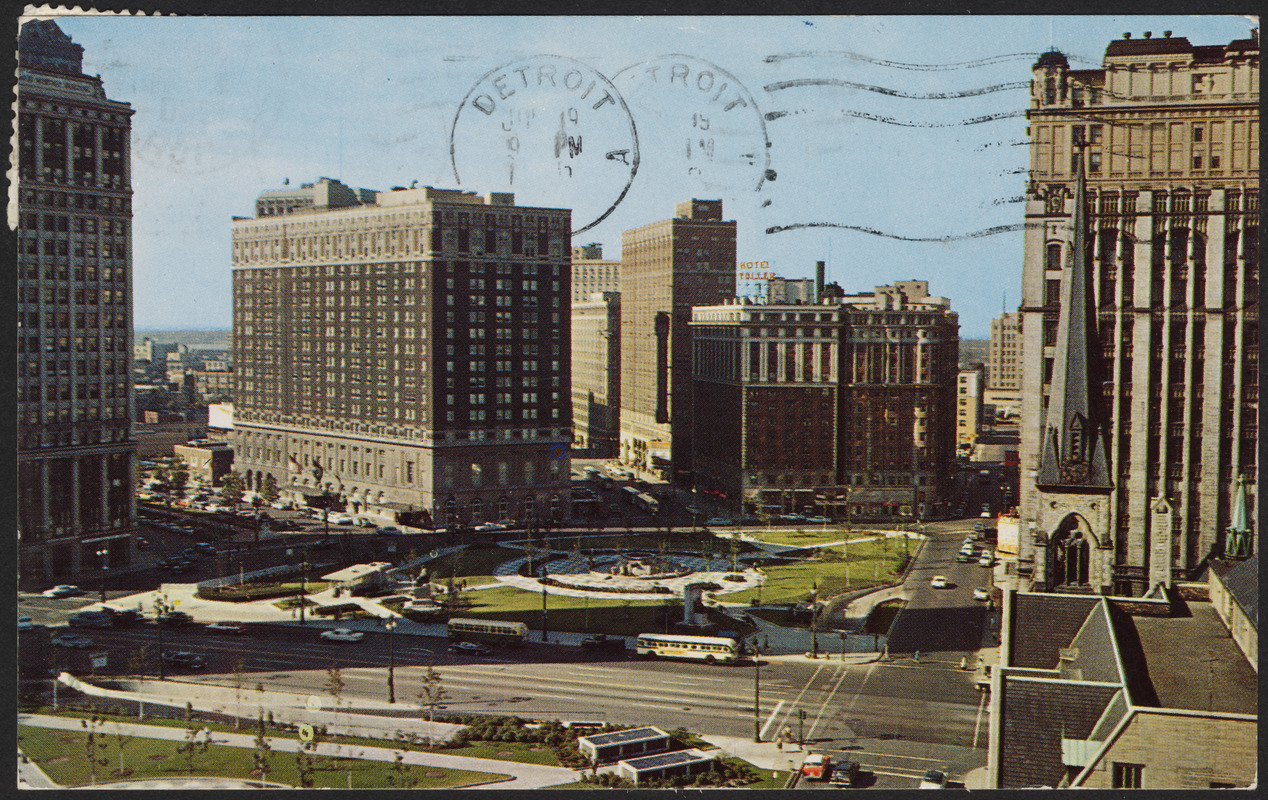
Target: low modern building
596 374
1120 693
602 748
207 460
158 433
665 765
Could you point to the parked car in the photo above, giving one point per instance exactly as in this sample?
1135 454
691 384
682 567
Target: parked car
816 766
818 520
226 627
981 594
963 558
469 649
602 642
174 618
321 544
987 560
342 635
206 547
933 779
123 616
25 623
190 554
490 526
72 640
185 659
938 582
362 522
844 773
90 619
341 519
142 543
63 590
388 530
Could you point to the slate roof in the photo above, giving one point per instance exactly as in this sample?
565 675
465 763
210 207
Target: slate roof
1242 582
1043 624
1095 660
1036 715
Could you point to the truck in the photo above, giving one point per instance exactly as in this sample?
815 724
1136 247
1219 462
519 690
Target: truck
816 767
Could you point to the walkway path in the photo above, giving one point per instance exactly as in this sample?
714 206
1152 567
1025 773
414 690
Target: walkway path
522 776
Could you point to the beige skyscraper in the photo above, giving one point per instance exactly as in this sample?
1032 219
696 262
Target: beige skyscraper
1139 312
666 268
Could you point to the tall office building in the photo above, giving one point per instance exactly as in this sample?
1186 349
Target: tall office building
1003 360
591 272
596 373
970 386
76 509
1140 306
406 355
666 268
845 407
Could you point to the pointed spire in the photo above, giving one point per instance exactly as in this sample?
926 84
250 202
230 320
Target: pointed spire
1074 442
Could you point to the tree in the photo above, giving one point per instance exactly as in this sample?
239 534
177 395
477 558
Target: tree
261 756
334 685
179 477
401 775
304 764
197 741
139 660
238 676
121 742
94 745
231 487
269 492
431 693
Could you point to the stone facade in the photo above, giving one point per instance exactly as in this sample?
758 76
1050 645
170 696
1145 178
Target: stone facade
596 373
1170 134
76 452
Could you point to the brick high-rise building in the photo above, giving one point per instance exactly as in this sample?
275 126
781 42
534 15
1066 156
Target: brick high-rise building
666 268
1139 312
842 407
76 452
406 354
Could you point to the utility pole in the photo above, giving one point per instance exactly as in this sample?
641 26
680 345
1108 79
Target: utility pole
543 575
390 624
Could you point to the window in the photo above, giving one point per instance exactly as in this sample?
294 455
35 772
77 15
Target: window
1128 776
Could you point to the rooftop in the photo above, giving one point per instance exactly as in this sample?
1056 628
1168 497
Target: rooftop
662 760
623 737
1194 664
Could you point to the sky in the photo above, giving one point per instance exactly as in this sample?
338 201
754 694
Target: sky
888 147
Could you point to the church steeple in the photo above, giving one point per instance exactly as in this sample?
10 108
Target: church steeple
1074 440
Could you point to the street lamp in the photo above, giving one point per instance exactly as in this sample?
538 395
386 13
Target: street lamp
101 554
303 585
390 624
757 692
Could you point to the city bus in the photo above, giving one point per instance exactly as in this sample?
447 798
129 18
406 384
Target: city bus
487 630
647 502
710 649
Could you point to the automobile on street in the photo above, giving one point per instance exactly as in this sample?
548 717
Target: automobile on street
226 627
342 635
981 594
933 779
185 659
72 640
938 582
468 648
63 590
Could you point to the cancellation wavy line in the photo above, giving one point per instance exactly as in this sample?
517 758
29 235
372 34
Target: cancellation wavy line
774 115
977 62
998 229
838 82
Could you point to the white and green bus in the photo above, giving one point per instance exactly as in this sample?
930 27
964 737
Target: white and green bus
487 630
709 649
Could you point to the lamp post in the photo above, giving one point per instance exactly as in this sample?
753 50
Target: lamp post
390 624
303 585
757 692
101 554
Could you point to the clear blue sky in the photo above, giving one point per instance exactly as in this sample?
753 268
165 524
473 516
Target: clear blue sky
229 107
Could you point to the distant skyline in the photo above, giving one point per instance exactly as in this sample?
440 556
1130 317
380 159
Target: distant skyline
907 132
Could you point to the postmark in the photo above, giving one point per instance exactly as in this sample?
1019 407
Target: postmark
704 123
554 131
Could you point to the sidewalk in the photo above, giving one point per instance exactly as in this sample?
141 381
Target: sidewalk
521 776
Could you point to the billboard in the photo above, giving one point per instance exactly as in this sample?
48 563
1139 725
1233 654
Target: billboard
1009 534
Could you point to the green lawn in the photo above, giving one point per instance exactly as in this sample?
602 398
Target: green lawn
61 755
807 536
614 616
793 583
473 561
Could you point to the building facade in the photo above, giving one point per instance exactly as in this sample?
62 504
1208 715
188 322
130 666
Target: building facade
1161 343
76 453
790 291
406 356
591 273
596 374
846 407
969 390
1004 357
666 268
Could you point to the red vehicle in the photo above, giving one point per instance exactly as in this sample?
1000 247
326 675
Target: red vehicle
816 767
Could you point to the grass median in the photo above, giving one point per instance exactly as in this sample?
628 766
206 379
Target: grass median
61 754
